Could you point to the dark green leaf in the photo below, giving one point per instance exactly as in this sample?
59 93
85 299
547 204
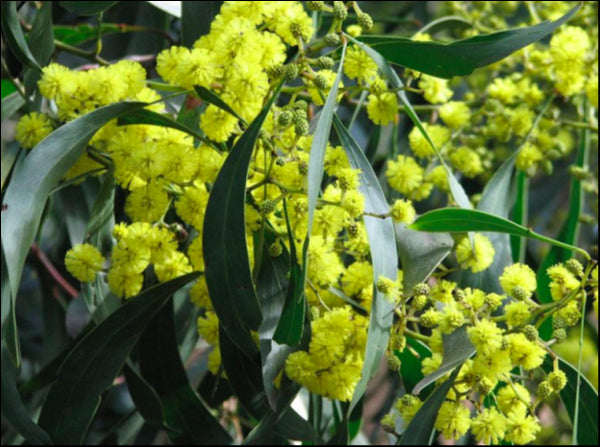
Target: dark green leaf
462 57
86 8
212 98
145 398
7 88
244 376
11 104
41 44
457 349
95 361
10 154
188 418
15 39
588 402
291 322
457 191
43 168
420 428
420 253
228 274
196 18
410 364
12 406
149 117
77 34
384 258
519 216
459 220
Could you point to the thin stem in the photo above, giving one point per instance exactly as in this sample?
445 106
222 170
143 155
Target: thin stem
579 359
91 56
37 252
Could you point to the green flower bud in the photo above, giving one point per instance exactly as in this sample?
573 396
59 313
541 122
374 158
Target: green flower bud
325 62
275 249
557 380
575 267
284 118
332 39
530 332
301 128
339 11
365 21
290 72
421 289
393 363
559 335
544 390
315 6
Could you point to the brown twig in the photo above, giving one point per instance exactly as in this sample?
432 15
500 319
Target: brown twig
37 252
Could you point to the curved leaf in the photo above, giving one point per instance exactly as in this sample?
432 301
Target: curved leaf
459 220
188 419
145 398
384 258
41 44
40 173
86 8
95 361
587 432
11 104
12 406
420 429
212 98
457 349
462 57
11 30
228 274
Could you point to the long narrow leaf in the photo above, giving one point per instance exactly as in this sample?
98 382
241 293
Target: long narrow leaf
384 258
95 361
462 57
12 31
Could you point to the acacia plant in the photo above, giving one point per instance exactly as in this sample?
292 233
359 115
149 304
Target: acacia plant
214 212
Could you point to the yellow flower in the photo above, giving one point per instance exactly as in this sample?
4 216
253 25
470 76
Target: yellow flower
455 114
477 259
208 328
404 174
421 147
453 420
32 128
435 90
383 108
489 426
518 275
403 211
124 282
521 429
485 336
83 261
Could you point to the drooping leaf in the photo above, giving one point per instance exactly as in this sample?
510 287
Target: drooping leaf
519 215
384 258
43 168
457 349
86 8
420 253
12 406
103 209
144 116
228 274
462 57
457 191
587 432
145 398
212 98
291 322
420 429
77 34
188 419
94 362
459 220
196 17
13 33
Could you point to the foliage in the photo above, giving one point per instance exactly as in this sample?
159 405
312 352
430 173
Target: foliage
267 207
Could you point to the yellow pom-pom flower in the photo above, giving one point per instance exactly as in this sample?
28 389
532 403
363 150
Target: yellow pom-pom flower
83 261
489 426
453 420
478 258
32 128
382 108
403 211
518 275
455 114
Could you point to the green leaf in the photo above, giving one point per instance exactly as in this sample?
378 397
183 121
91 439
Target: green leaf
15 39
457 191
10 155
86 8
228 274
519 215
420 429
384 258
459 220
103 209
420 253
196 18
588 401
457 349
8 87
462 57
12 406
41 171
568 233
291 322
74 35
11 104
145 398
148 117
41 44
95 361
212 98
410 364
189 420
